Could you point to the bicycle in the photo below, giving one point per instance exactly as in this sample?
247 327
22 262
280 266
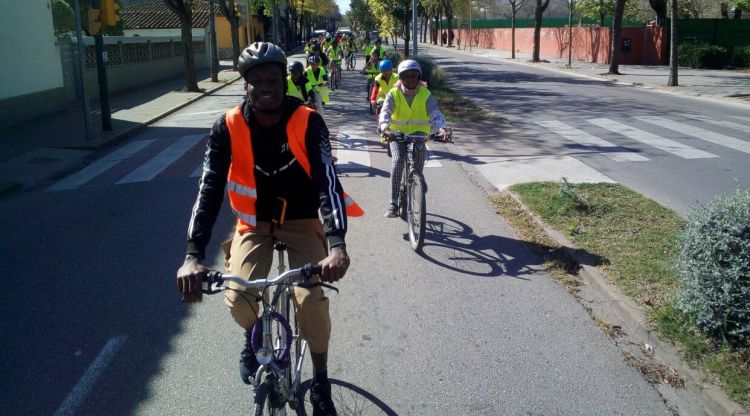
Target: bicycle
277 345
351 62
412 204
335 75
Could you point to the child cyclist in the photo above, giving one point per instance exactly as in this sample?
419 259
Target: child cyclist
371 71
318 80
409 108
383 83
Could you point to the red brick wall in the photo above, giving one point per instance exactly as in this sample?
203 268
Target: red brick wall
590 44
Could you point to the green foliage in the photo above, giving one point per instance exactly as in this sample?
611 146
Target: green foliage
63 17
714 269
740 57
434 77
702 55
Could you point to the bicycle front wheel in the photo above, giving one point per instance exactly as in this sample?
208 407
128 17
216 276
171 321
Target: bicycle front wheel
416 211
268 401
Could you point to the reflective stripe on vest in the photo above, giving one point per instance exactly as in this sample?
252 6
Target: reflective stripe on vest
410 119
316 83
292 89
241 185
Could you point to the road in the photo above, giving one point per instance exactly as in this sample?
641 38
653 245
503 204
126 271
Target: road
677 150
93 324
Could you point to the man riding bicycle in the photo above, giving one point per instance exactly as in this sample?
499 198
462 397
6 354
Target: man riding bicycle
409 108
299 86
335 54
318 78
271 148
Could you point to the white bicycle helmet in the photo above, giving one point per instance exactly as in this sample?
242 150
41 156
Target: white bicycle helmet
408 65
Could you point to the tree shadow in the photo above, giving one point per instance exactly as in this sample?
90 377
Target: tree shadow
350 400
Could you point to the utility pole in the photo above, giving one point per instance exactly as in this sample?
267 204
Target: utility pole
470 32
672 82
81 61
214 63
414 25
101 71
571 6
275 23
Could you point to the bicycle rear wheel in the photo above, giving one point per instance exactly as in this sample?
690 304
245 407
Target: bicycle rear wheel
417 211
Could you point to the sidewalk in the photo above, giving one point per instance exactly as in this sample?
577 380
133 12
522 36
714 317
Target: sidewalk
723 85
53 145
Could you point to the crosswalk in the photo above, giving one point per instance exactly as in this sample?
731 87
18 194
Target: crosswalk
355 149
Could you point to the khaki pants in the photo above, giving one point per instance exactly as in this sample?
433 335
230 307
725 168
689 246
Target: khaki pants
251 254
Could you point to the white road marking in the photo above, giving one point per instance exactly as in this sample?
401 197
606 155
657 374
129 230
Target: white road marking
166 157
100 166
432 160
722 123
200 112
697 132
353 154
667 145
76 397
610 150
745 119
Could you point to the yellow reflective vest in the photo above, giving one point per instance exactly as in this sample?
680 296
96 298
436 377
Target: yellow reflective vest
317 84
410 119
294 91
383 86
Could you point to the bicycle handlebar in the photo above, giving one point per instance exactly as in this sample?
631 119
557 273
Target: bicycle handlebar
403 137
214 280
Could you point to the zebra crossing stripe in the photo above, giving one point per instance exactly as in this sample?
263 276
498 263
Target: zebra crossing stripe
707 135
432 160
614 152
667 145
352 154
745 119
166 157
100 166
722 123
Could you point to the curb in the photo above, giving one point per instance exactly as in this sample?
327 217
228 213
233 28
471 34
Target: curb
621 308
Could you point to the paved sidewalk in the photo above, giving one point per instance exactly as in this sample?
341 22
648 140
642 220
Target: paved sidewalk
53 145
723 85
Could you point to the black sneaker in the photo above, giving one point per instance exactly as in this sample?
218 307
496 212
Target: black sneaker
248 363
320 398
392 211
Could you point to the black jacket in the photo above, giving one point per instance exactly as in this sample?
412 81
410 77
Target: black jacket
277 174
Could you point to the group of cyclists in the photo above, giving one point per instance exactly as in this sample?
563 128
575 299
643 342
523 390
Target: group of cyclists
275 146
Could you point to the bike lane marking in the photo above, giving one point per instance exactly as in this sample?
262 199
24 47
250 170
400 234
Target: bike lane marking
100 166
722 123
433 161
76 397
352 154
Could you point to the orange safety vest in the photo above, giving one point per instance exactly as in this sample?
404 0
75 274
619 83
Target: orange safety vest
241 185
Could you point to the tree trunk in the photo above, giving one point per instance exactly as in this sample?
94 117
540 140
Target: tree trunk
614 48
191 84
234 24
660 8
538 13
513 31
672 82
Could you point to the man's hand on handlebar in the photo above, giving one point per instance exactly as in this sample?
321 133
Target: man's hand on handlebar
335 265
189 278
446 135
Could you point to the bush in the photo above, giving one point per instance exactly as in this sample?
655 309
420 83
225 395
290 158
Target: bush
740 57
430 72
714 269
702 55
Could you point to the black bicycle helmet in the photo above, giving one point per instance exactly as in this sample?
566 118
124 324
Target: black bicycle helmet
316 48
313 59
296 66
260 53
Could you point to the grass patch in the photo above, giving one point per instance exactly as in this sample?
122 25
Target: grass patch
635 240
458 108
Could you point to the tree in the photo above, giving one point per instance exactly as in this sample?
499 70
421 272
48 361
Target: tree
660 8
672 81
515 5
614 49
541 6
184 10
63 17
394 14
596 9
231 12
360 16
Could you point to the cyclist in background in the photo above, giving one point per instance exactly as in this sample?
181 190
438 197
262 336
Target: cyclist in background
299 86
367 49
379 48
335 55
318 78
383 83
308 47
317 51
408 108
371 71
350 47
271 147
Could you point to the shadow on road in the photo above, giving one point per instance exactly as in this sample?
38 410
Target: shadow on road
350 400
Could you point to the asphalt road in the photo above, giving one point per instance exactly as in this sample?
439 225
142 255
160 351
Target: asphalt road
679 151
93 324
